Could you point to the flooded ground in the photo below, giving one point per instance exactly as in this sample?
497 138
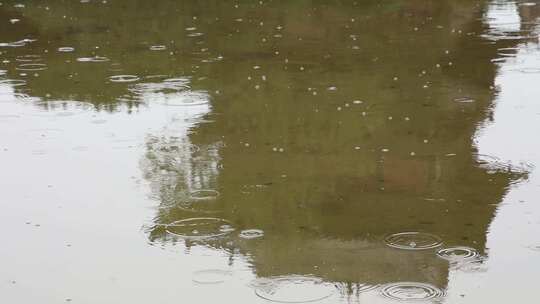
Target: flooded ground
273 151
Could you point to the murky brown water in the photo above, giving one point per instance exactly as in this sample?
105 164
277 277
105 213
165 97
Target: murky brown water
287 151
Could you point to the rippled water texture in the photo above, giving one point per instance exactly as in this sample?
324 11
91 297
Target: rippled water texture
269 151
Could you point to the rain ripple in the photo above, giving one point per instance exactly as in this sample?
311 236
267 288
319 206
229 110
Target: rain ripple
411 291
251 234
211 276
13 82
293 289
93 59
124 78
199 228
66 49
28 58
204 194
32 67
413 240
19 43
456 254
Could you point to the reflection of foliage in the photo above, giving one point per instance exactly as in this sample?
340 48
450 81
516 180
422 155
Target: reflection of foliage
176 169
179 168
325 29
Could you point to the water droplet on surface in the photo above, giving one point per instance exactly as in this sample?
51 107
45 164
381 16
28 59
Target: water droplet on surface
413 241
293 289
411 291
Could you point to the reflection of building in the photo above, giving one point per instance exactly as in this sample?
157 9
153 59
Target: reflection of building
350 173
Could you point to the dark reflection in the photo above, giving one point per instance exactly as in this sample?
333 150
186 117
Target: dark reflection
344 136
326 126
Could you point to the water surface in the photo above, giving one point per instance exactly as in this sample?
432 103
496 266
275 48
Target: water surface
272 151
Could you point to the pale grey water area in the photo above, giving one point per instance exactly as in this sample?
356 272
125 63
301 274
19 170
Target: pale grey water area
269 152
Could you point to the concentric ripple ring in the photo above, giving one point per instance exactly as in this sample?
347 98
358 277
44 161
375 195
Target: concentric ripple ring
199 228
413 241
455 254
411 291
293 289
